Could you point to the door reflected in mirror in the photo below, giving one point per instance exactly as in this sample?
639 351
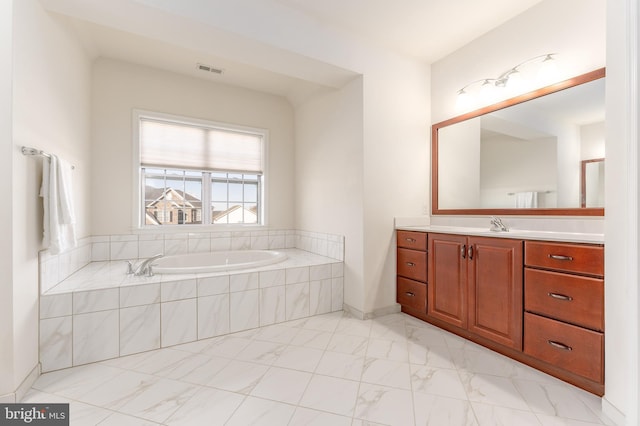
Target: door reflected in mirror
592 183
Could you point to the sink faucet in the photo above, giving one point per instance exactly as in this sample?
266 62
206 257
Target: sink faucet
497 225
144 268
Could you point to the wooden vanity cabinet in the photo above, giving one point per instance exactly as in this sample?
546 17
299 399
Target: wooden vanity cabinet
411 280
564 307
475 283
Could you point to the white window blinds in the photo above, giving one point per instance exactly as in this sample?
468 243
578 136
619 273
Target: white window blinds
177 145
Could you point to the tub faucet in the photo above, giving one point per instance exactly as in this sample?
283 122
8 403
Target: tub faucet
497 225
144 268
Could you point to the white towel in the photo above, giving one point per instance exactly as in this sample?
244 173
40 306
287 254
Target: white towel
526 199
59 216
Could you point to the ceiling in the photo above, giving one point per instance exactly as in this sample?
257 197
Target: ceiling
425 29
134 31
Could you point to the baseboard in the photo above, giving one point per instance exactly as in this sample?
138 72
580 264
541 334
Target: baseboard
356 313
388 310
612 412
27 383
393 309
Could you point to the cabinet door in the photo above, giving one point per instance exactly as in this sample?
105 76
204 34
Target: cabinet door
447 277
496 289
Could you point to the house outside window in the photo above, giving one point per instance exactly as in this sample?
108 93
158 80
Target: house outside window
193 172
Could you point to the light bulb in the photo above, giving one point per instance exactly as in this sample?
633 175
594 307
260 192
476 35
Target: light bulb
548 70
463 101
487 92
514 80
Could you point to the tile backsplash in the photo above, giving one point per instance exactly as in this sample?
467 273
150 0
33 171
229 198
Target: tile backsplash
56 268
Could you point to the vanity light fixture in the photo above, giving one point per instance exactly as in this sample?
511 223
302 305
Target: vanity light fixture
512 79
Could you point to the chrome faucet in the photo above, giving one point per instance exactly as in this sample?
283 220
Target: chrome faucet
143 268
497 225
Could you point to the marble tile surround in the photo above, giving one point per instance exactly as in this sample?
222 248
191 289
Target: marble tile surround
56 268
99 312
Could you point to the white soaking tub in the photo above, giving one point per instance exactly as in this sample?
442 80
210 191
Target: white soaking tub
216 261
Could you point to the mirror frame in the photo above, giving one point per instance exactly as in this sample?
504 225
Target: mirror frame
576 211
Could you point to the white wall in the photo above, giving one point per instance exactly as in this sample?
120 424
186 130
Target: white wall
575 29
396 178
592 139
510 166
622 379
459 171
50 110
120 87
360 161
7 381
330 176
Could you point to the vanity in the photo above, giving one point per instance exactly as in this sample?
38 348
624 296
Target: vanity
534 296
536 300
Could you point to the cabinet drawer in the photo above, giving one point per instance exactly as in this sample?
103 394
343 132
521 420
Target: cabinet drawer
571 298
566 346
412 264
585 259
412 294
412 240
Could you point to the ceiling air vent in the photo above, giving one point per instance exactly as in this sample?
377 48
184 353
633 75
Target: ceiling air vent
209 68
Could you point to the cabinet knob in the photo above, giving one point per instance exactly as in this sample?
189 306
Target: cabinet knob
409 293
411 240
410 264
560 296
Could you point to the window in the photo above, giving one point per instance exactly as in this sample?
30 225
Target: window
198 173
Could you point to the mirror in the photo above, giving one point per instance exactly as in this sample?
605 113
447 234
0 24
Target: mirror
541 153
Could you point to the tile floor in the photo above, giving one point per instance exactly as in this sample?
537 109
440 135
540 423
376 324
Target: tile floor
326 370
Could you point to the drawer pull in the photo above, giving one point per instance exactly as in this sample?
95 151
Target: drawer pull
409 293
411 240
559 345
410 264
560 296
560 257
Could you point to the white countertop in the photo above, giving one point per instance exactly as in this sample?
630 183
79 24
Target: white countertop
572 237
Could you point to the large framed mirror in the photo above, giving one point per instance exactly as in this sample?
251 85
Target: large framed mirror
525 155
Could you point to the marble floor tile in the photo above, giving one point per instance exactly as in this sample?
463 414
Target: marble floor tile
492 390
555 400
384 405
282 384
392 350
239 376
344 366
308 417
332 369
261 352
299 358
433 410
493 415
437 381
206 407
387 373
312 339
261 412
337 396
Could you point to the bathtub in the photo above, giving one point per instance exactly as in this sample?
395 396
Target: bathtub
216 261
